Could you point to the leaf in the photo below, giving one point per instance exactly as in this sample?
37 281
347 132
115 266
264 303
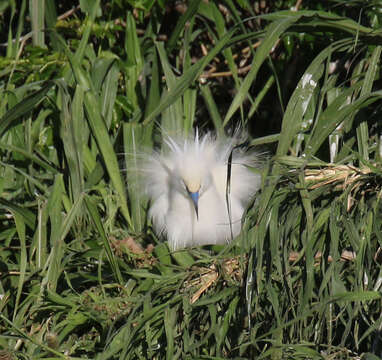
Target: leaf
187 78
273 33
20 227
192 8
98 224
24 107
28 217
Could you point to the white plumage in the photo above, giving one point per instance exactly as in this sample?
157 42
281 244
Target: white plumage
187 187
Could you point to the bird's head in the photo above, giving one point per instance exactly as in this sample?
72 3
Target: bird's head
194 162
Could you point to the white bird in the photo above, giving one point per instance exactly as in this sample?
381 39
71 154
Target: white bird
187 187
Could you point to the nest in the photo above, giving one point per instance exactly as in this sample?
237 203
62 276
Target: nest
346 178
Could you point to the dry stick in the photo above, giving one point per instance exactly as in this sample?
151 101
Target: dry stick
243 70
211 275
346 255
298 4
212 74
240 71
68 13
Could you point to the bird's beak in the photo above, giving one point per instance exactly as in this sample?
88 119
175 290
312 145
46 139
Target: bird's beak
195 198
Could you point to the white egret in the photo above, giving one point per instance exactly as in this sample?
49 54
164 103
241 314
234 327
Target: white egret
187 187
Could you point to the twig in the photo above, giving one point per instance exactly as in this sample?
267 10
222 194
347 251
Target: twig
68 13
346 255
298 4
240 71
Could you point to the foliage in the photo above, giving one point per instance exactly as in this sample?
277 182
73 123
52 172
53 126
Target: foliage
82 274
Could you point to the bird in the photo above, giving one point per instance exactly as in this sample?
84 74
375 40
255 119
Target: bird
186 183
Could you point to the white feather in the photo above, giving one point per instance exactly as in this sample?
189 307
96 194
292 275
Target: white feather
191 164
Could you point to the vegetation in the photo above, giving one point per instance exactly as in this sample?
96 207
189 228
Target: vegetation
84 89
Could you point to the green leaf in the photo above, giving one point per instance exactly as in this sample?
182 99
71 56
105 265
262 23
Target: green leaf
23 107
192 8
273 33
188 78
28 217
20 227
98 224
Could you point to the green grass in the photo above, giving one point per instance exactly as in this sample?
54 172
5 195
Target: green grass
81 273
